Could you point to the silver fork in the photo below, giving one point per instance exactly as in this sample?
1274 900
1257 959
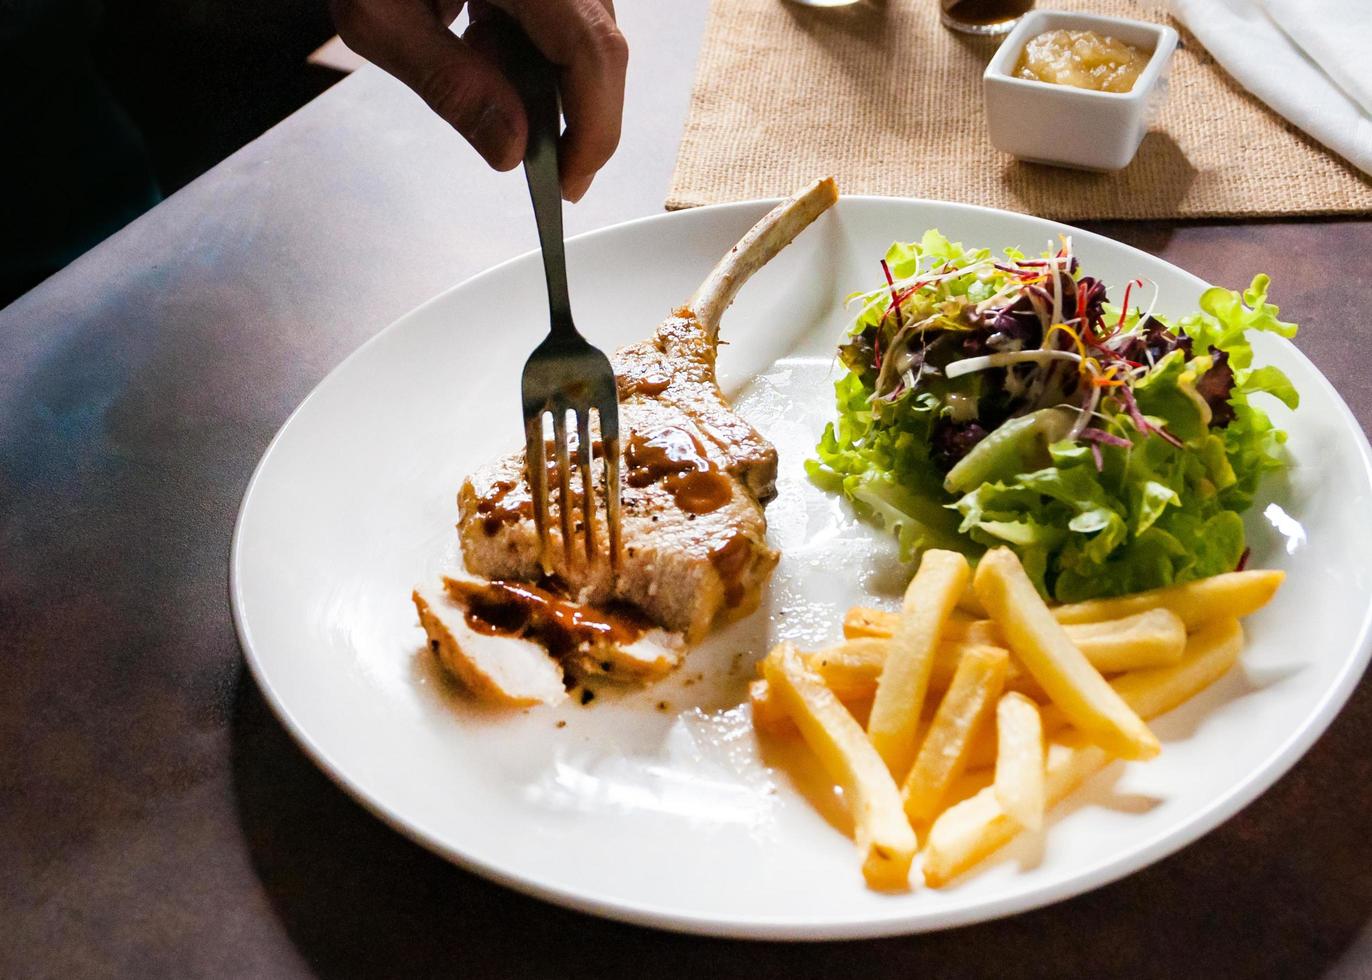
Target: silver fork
565 373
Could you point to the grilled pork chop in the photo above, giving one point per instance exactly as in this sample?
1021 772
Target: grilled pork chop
696 475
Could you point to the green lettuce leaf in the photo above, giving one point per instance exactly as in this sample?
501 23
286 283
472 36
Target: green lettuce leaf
1149 515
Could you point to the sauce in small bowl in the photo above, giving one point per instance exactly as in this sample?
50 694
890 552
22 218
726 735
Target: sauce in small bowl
1076 90
1083 59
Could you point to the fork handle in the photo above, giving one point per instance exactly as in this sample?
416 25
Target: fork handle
536 80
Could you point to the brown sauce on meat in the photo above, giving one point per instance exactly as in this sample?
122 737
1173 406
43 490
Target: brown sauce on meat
642 376
731 559
676 459
648 384
502 608
506 503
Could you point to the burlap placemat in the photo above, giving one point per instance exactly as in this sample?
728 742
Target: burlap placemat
889 102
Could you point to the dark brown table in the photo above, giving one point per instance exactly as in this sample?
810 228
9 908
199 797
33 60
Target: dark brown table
156 820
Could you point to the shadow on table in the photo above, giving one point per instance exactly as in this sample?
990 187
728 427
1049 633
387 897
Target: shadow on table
1281 890
1160 174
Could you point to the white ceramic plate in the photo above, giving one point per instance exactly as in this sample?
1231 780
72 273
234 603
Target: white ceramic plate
671 816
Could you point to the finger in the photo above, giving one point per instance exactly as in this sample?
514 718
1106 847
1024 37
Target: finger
581 37
463 86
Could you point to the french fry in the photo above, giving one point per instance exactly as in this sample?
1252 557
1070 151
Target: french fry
1152 638
1153 691
769 715
942 756
970 604
1233 594
982 631
861 622
851 670
884 837
1044 647
972 830
983 751
969 831
929 599
1019 760
1210 652
1195 603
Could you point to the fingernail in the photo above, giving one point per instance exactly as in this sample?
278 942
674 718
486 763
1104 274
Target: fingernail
491 134
575 190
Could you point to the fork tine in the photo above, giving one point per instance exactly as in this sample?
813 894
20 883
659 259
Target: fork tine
538 482
583 456
609 437
564 479
612 500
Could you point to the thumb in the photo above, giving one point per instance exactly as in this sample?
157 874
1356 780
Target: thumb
460 83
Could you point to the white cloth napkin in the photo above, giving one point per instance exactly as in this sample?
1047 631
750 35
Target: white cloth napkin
1304 58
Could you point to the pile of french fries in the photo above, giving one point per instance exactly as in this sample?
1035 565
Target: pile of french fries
984 707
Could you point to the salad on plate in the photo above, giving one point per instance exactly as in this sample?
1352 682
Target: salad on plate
1007 401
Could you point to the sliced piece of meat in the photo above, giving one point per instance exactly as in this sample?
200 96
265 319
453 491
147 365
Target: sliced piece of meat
505 669
654 654
618 643
696 474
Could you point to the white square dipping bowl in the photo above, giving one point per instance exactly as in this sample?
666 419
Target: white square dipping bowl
1074 127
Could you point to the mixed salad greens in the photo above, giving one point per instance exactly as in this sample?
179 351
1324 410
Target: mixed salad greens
1005 401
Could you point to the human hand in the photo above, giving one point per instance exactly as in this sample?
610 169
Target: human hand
460 77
